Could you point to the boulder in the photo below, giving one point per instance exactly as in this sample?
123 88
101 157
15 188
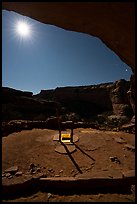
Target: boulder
117 120
130 147
12 170
133 119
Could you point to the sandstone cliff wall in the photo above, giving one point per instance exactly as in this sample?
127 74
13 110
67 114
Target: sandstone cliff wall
85 101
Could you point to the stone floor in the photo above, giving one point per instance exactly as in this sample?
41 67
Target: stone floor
100 153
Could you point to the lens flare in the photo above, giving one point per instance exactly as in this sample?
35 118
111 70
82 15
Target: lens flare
23 29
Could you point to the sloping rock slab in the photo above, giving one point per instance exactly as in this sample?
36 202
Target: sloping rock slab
130 147
20 186
129 176
102 184
30 185
12 169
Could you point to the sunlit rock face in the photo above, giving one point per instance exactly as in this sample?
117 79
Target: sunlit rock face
120 98
92 100
113 23
131 92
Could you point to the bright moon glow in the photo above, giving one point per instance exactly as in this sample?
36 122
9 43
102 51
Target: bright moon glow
126 70
23 29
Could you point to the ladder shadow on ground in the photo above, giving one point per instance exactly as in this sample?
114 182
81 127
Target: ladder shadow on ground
84 152
72 159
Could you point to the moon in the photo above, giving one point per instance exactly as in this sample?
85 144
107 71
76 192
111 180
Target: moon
23 29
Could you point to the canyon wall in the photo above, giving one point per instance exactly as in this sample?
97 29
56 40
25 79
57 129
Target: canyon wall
85 101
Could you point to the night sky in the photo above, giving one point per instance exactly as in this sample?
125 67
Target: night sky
49 57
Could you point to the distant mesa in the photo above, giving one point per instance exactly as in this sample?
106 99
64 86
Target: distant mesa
101 105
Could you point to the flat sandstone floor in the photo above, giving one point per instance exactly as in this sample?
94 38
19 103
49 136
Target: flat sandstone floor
93 154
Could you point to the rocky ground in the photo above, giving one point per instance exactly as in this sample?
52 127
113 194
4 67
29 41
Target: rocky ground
97 153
